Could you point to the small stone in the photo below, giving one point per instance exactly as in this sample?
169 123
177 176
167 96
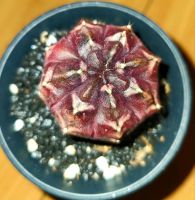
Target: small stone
43 160
70 150
102 163
46 49
39 67
51 40
32 62
51 162
18 124
44 36
167 86
95 176
88 150
115 163
63 143
95 21
90 166
32 120
20 70
85 176
53 138
140 155
102 148
152 131
32 145
36 154
111 172
47 122
115 170
13 88
162 138
148 148
122 167
159 127
69 183
79 152
107 174
72 172
14 98
35 137
33 47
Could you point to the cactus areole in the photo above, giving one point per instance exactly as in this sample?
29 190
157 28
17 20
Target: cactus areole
100 81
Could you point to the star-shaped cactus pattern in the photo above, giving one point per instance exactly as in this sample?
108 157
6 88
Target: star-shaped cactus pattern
100 81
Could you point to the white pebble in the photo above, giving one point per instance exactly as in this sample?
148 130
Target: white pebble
95 21
51 40
70 150
43 36
36 154
53 138
107 174
47 122
95 176
13 88
51 162
88 150
39 67
85 176
90 166
159 126
72 172
102 163
154 131
32 62
115 170
122 167
46 48
18 124
63 143
32 145
32 119
111 172
20 70
33 47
